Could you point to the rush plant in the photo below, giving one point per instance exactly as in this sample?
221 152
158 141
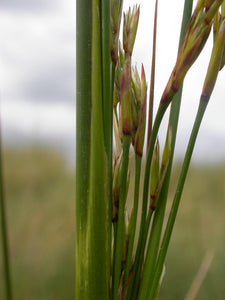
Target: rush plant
112 98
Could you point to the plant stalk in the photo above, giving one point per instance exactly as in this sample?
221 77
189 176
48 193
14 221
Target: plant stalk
83 120
156 230
133 219
176 201
161 110
107 98
97 231
119 242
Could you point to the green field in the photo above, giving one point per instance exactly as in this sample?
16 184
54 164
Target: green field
40 199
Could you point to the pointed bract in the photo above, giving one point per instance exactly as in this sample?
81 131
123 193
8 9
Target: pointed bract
116 12
125 93
130 29
214 64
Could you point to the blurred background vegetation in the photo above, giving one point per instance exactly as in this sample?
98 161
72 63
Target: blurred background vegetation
40 200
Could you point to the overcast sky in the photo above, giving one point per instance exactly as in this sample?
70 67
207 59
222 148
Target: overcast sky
37 73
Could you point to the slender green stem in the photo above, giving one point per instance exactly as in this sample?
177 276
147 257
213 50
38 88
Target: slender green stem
212 73
175 105
133 219
83 119
152 81
113 236
5 249
147 224
119 241
176 201
142 252
188 5
156 229
152 249
161 110
107 98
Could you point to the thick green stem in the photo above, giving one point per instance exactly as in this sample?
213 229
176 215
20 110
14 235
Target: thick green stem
92 208
119 241
97 232
176 201
5 250
83 119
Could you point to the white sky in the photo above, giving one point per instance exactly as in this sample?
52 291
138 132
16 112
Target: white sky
37 74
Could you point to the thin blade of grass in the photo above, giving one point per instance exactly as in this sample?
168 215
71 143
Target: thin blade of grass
152 81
